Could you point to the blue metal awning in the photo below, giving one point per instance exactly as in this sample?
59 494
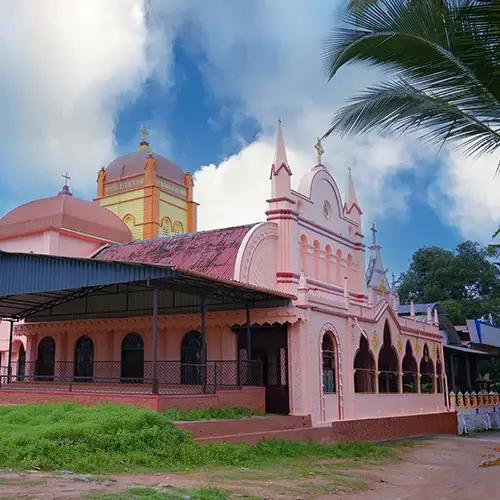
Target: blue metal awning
31 283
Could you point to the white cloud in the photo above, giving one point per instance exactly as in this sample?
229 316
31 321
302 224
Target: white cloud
466 195
67 68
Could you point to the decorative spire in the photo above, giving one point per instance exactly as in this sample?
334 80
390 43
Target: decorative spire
280 159
65 189
319 150
280 170
144 144
352 200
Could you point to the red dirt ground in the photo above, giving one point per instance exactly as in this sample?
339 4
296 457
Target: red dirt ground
441 468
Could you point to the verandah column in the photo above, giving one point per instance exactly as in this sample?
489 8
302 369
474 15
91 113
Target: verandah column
9 361
203 312
249 335
155 341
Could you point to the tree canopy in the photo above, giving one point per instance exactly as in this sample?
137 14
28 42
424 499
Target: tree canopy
443 56
465 281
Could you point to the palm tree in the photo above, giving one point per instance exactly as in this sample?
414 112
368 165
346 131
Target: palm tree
443 55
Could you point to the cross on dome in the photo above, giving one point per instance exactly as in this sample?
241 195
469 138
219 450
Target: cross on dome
144 144
319 149
374 231
65 188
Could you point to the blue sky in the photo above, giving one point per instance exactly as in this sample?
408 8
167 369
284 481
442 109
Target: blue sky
210 79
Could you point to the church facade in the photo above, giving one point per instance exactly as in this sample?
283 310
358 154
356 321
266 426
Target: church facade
336 351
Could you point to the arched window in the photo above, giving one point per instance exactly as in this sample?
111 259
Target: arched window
21 363
132 359
439 375
84 359
45 363
387 365
166 226
349 272
177 228
328 357
409 370
426 372
192 358
364 368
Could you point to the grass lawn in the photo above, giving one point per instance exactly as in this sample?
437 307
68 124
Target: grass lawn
129 441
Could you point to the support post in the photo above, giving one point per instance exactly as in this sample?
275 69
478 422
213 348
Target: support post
452 373
203 311
155 341
249 335
9 361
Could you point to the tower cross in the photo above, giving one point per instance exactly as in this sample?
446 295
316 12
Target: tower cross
374 231
145 133
66 178
319 149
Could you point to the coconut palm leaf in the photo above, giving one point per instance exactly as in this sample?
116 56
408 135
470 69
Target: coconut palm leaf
444 55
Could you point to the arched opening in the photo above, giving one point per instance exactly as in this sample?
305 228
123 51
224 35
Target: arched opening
84 359
45 363
387 365
364 368
192 358
426 372
409 370
21 363
439 375
328 362
132 359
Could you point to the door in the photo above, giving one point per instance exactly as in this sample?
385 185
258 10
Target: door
46 359
84 359
21 363
132 364
269 346
192 359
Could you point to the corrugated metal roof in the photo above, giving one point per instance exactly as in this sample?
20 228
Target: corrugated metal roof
210 252
30 282
419 308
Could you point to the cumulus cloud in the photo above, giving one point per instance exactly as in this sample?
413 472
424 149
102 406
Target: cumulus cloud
67 68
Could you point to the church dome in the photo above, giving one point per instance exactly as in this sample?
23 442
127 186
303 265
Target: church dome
133 164
65 211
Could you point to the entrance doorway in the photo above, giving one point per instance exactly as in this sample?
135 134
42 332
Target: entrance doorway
21 363
192 358
46 359
84 359
132 365
270 346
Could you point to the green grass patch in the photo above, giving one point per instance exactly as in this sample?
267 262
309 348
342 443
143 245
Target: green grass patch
210 414
122 439
165 493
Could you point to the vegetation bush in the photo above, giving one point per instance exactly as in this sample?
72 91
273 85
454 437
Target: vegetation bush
118 439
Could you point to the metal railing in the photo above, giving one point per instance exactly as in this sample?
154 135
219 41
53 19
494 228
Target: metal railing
173 377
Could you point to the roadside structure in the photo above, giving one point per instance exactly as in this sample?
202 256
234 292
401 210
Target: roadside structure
324 335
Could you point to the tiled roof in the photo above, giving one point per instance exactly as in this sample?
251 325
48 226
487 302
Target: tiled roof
211 252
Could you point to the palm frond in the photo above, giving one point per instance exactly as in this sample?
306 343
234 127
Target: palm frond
399 107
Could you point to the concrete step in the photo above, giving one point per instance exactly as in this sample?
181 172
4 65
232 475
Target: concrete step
321 435
220 428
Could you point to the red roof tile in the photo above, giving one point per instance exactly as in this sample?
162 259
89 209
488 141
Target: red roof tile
211 252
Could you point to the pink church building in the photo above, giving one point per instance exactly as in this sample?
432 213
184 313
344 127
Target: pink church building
282 316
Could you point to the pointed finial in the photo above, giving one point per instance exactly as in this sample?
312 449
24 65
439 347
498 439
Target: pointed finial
412 309
436 316
374 231
319 150
351 196
144 144
65 189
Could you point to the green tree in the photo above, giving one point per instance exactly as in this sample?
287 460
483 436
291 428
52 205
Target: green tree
464 281
444 57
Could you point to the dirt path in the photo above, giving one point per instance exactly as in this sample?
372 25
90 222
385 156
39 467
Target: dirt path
439 468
